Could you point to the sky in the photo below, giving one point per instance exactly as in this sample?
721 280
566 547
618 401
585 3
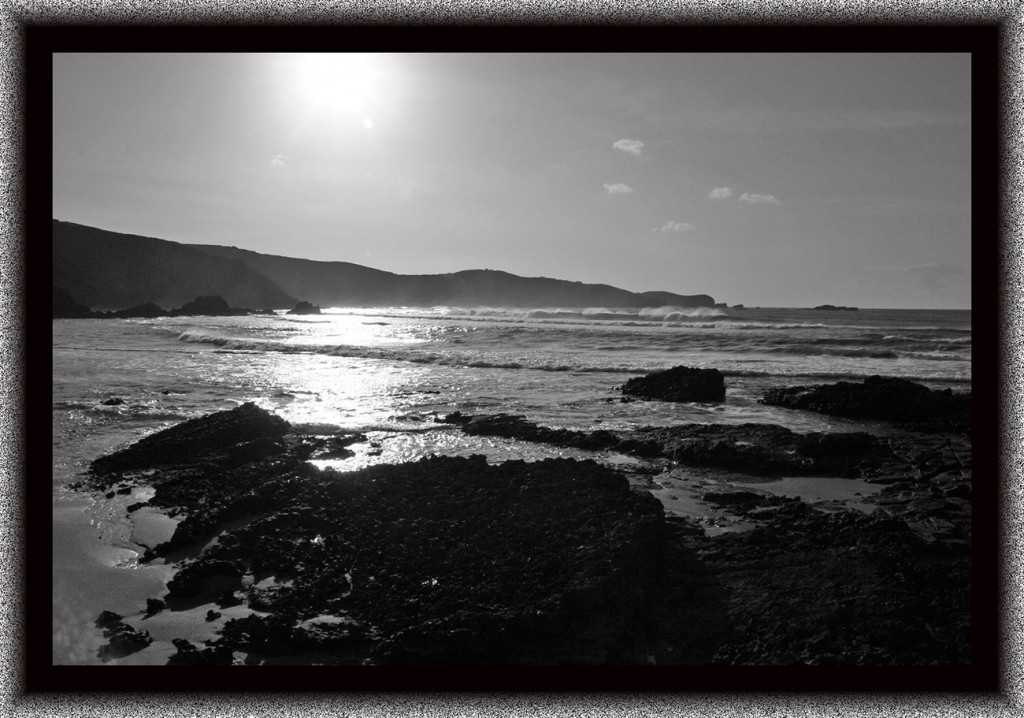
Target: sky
775 180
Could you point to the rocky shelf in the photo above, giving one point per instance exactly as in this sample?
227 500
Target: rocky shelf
449 561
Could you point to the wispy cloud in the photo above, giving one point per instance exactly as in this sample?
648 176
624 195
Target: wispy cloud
617 188
634 147
720 193
279 161
672 226
758 198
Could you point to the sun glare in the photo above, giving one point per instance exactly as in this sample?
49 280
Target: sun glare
339 81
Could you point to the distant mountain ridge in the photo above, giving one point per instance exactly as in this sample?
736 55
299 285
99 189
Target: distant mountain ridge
110 270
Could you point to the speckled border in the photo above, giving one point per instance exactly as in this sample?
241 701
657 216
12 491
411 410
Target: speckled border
14 444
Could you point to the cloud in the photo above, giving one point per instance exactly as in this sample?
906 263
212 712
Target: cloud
617 188
672 226
279 161
758 198
634 147
720 193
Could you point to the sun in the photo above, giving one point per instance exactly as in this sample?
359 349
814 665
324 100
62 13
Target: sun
343 82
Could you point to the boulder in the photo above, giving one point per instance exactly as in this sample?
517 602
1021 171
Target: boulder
122 639
888 399
220 432
678 384
209 306
305 308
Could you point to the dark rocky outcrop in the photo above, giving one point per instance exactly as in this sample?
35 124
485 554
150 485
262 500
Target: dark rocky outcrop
122 639
190 655
678 384
754 449
888 399
455 561
834 308
810 587
305 308
237 436
209 306
439 561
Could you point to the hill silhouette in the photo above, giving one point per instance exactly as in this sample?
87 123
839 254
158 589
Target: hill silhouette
109 270
346 284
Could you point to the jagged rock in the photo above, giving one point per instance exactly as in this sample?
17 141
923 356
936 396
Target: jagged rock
122 639
208 306
204 577
189 655
457 561
678 384
241 427
408 545
305 308
889 399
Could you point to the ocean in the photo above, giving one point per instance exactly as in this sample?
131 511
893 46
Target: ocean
391 372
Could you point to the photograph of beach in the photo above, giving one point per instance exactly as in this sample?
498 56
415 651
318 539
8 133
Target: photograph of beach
512 359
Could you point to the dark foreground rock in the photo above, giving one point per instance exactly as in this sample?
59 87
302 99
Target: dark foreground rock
238 436
446 560
678 384
453 561
888 399
815 588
